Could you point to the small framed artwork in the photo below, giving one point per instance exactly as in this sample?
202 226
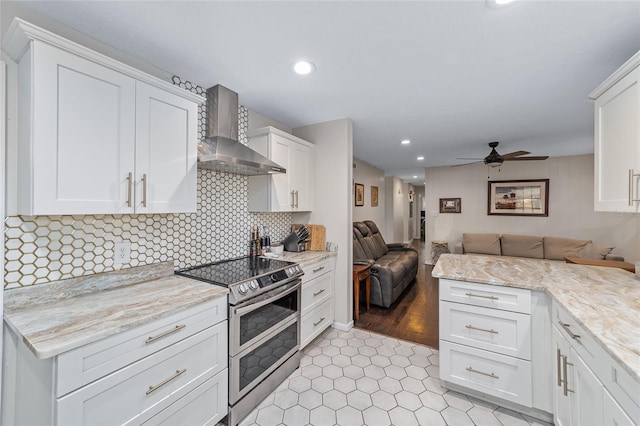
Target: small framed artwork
519 197
359 195
450 205
374 196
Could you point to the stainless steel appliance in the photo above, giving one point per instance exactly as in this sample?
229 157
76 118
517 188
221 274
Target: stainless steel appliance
264 325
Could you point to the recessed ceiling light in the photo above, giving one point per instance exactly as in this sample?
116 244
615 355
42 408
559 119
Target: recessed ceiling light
405 142
498 3
303 67
415 177
420 158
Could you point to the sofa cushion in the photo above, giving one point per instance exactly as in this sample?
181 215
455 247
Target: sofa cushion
481 243
594 251
559 248
522 246
381 245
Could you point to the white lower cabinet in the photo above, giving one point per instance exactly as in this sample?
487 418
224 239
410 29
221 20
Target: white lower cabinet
169 371
581 395
317 299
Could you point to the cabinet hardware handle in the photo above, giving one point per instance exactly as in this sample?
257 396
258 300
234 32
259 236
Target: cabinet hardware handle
566 328
144 190
632 174
129 185
492 375
318 269
292 203
566 377
559 365
482 329
154 388
481 296
296 198
319 321
166 333
318 292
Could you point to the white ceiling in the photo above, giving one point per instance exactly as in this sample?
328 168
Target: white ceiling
449 75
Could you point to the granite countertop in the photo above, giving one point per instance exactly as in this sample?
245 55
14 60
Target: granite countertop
58 317
605 301
306 257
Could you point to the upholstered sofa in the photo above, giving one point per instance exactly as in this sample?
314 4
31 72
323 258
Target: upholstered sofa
393 266
549 248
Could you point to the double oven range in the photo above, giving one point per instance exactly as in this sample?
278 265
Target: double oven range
264 325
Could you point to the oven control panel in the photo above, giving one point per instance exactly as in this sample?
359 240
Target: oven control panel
247 289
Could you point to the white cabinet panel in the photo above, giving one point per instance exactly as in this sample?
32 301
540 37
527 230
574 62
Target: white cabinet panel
613 414
316 292
587 393
508 333
166 155
315 321
617 145
498 375
317 299
490 296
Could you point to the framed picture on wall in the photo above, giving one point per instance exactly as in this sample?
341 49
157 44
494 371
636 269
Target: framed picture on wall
519 197
374 196
359 195
450 205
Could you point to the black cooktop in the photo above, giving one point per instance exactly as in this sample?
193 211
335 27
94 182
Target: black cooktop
228 272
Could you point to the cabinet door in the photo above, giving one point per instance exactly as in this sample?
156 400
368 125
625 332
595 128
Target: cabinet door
587 406
300 177
166 151
613 413
617 146
282 195
561 401
81 146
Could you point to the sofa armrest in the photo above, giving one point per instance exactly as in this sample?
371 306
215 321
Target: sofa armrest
458 248
363 261
396 246
614 257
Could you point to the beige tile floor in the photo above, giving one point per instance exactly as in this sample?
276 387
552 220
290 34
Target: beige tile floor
361 378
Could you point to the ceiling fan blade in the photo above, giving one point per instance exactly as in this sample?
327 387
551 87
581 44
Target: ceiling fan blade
540 157
514 154
466 164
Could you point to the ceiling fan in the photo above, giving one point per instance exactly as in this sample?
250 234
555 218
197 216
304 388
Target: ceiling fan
495 160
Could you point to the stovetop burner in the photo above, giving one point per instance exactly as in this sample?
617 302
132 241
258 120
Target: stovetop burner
245 277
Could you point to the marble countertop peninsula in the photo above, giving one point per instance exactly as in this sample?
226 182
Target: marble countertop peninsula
605 301
61 316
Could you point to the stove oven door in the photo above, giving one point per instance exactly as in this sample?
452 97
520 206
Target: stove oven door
262 316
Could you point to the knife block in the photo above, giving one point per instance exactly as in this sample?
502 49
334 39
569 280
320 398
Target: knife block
317 236
293 243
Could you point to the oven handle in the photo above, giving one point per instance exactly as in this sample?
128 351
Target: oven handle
266 299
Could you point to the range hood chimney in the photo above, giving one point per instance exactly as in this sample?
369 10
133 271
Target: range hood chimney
221 150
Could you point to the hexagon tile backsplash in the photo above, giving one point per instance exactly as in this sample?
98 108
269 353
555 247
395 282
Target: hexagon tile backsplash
43 249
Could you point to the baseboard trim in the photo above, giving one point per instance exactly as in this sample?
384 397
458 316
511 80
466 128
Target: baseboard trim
342 326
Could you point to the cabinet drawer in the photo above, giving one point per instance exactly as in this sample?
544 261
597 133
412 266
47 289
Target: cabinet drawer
90 362
316 291
314 322
205 405
314 270
505 332
498 375
490 296
172 372
624 389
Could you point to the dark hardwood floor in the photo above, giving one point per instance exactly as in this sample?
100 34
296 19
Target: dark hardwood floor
414 316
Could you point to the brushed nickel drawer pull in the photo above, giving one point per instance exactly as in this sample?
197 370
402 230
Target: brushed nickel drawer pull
166 333
559 365
144 190
482 329
296 198
319 321
292 203
566 328
129 189
493 376
318 269
154 388
481 296
566 377
318 292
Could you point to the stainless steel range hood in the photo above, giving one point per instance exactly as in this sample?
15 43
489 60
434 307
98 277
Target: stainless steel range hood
221 150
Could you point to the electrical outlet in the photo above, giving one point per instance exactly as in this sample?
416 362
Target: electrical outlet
121 252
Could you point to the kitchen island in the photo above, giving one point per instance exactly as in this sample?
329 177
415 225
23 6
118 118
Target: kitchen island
603 303
136 345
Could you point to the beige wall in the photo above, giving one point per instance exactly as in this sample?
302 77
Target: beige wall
369 175
570 205
396 210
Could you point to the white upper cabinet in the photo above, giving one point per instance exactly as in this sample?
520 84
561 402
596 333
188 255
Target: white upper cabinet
289 192
617 140
97 136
